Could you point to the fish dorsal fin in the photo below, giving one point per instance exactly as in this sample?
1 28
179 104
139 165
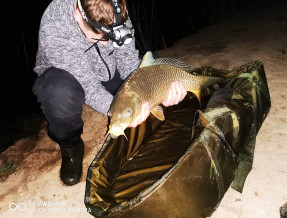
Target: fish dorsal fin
149 60
158 113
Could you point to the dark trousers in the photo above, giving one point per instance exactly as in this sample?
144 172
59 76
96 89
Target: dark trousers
62 97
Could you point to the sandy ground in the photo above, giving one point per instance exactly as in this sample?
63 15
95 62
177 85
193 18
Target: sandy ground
257 33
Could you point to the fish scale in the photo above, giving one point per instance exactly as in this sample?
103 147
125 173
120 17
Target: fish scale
153 83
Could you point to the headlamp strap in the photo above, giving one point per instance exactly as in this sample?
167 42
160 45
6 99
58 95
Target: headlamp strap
117 19
117 12
82 10
99 26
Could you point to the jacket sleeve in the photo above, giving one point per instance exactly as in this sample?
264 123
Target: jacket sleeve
61 51
127 57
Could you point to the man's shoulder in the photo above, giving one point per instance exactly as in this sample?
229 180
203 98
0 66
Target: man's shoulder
58 9
62 3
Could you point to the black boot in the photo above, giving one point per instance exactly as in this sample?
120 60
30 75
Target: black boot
72 159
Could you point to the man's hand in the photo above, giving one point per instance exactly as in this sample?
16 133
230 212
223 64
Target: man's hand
145 111
176 94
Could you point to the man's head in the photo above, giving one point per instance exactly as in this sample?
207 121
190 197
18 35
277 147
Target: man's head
102 11
107 16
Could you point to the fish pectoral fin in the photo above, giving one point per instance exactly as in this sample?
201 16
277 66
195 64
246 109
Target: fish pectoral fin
158 113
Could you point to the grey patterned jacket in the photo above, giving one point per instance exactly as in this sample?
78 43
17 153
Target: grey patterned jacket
62 44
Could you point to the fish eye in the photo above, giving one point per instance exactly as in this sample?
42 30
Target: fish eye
129 112
126 113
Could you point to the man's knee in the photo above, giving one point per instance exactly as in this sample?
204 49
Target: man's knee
59 93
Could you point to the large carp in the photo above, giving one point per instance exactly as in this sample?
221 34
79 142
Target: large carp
151 83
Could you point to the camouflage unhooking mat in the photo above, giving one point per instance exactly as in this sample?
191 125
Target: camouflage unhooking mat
183 166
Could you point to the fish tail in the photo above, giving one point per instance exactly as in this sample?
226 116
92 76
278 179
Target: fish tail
198 95
210 81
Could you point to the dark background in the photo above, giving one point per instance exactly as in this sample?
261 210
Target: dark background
158 24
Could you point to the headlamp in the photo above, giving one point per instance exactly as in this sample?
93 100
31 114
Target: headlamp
121 35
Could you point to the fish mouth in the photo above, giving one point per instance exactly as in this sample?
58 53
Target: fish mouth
116 132
113 136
